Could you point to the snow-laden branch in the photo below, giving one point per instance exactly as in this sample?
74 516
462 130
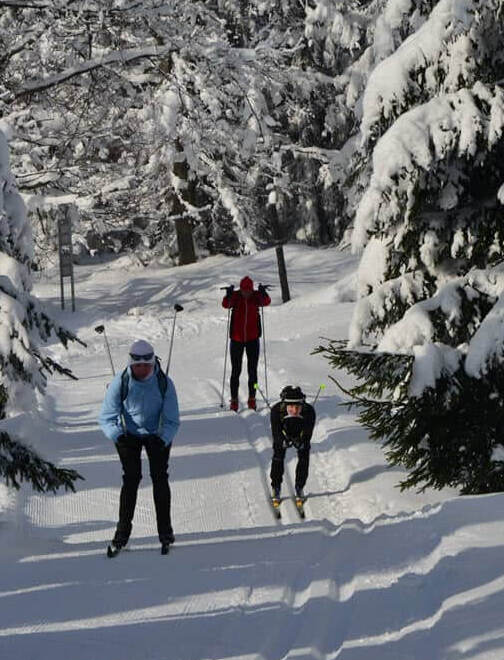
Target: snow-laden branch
122 56
390 81
452 124
22 4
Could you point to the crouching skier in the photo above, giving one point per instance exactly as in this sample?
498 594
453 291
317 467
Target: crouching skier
140 409
292 423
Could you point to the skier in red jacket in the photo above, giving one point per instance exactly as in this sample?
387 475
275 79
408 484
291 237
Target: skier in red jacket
244 333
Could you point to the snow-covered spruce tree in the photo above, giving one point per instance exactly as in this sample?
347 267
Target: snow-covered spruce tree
427 336
371 32
23 327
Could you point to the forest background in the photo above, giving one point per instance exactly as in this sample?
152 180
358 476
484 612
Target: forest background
182 129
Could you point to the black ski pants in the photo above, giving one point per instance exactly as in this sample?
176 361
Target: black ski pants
129 448
277 465
252 350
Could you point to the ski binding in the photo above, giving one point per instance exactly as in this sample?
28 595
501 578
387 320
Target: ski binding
299 501
275 503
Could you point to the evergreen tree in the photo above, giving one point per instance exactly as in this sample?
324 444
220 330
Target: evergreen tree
431 273
23 327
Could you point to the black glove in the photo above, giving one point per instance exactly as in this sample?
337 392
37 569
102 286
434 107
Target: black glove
229 291
262 289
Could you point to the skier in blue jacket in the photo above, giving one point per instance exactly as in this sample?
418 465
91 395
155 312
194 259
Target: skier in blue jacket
140 409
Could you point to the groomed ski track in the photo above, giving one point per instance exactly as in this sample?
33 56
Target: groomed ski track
366 576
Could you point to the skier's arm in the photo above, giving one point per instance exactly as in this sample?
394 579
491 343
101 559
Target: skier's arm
229 301
110 414
170 420
309 422
262 299
276 425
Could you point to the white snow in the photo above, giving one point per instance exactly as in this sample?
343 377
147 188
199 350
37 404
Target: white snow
446 124
371 574
486 344
388 83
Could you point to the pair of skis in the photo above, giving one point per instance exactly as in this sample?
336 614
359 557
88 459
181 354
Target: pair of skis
298 502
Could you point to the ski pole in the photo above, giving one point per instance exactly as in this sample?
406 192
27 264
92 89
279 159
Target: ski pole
100 329
177 308
321 387
264 353
225 358
265 287
258 389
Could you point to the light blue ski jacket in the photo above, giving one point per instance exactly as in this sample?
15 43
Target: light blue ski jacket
143 410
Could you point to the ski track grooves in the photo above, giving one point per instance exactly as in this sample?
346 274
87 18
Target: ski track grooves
279 643
291 578
296 594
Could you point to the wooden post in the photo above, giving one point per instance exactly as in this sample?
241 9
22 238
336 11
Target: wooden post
282 272
65 253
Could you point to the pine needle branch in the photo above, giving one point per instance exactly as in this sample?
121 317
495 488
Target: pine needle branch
19 463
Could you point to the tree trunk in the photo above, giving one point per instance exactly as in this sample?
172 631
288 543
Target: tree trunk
187 253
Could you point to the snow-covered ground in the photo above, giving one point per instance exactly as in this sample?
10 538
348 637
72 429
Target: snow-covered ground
370 574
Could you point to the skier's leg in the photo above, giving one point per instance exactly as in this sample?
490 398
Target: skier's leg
159 454
277 466
252 348
302 466
236 352
129 450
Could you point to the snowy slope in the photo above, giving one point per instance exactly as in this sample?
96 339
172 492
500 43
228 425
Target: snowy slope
370 574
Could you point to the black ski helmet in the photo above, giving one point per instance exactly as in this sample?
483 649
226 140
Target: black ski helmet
292 394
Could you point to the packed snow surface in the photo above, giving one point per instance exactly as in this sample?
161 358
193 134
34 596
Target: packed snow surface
370 574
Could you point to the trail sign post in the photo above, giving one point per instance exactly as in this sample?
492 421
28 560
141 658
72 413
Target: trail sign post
282 272
65 254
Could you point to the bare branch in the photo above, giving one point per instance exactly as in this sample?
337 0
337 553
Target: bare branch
122 56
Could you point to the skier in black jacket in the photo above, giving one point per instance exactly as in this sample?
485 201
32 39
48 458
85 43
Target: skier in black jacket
292 423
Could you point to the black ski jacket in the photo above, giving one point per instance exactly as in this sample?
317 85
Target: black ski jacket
279 413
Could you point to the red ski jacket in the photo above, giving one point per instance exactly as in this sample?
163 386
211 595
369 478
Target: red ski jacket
245 318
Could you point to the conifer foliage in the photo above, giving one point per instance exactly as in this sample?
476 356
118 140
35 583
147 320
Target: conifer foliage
431 277
24 326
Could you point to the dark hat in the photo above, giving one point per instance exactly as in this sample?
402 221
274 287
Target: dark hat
246 284
292 394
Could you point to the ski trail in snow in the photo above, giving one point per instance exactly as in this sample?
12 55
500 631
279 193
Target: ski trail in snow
371 574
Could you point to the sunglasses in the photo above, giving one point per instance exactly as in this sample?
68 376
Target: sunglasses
141 358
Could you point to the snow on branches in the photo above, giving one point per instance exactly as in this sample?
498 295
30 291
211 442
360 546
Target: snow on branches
429 222
23 326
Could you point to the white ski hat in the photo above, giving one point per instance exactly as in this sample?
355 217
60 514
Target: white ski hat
141 352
